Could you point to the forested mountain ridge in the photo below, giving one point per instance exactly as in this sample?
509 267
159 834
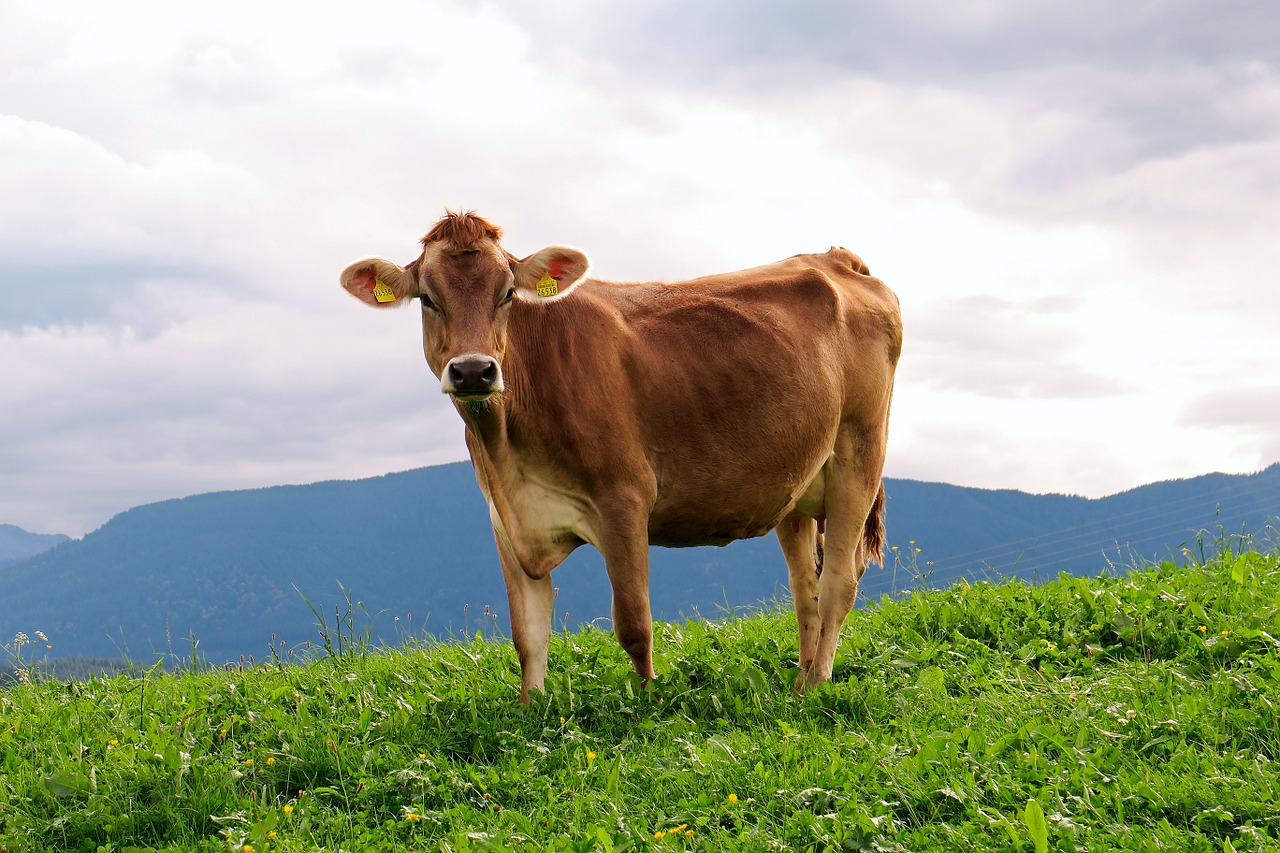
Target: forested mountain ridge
231 568
18 544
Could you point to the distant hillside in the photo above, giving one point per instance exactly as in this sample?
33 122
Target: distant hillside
417 544
17 544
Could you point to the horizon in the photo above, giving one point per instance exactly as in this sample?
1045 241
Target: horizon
81 536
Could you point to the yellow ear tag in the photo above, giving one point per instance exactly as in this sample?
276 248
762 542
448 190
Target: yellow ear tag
547 285
383 293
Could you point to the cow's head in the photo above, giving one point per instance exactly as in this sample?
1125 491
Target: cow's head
468 285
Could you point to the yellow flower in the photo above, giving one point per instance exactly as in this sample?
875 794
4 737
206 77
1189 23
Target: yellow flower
591 756
422 755
1202 629
562 721
681 827
248 848
1225 633
248 762
659 835
113 742
688 833
288 809
271 761
733 798
412 816
271 834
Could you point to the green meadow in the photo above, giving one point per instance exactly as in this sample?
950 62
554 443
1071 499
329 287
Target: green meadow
1136 711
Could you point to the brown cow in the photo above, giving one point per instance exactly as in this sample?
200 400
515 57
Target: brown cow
624 415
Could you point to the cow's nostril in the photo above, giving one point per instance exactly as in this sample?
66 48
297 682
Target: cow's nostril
469 376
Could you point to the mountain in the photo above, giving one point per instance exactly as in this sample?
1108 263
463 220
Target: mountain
232 568
17 544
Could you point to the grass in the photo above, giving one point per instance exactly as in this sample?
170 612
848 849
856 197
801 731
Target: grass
1133 712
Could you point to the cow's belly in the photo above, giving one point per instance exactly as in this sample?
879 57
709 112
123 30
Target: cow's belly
727 511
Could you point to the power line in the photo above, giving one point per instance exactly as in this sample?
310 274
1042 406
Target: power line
1129 531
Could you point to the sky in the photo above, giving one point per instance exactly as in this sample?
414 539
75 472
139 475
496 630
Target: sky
1077 205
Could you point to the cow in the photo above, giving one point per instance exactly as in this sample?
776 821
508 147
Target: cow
693 413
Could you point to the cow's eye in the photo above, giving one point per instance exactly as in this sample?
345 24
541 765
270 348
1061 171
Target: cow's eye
508 296
429 305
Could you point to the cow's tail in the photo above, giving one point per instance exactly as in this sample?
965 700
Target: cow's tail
873 531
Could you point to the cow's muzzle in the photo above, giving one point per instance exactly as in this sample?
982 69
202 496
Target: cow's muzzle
471 377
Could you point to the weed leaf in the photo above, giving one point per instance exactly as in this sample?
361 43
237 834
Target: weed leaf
1037 829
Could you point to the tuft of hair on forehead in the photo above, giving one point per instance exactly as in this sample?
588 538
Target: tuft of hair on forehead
462 231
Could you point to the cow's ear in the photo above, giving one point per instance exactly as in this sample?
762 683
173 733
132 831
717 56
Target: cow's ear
549 274
378 282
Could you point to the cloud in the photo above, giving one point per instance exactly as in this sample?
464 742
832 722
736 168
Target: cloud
1248 414
110 419
1076 206
996 347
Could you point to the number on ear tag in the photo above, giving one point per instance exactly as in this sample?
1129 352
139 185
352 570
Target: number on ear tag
382 292
547 286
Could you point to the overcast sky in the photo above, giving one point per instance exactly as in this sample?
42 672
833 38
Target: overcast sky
1078 205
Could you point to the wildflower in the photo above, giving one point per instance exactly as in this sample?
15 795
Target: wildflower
1226 633
1202 629
288 809
422 756
271 761
20 639
271 834
894 548
659 835
591 756
113 742
688 833
562 721
412 815
733 798
248 762
247 848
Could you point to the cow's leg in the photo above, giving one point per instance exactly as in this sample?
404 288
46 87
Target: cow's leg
798 536
853 484
531 601
625 546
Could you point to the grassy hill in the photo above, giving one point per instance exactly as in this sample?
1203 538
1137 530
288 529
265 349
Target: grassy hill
230 568
1125 712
